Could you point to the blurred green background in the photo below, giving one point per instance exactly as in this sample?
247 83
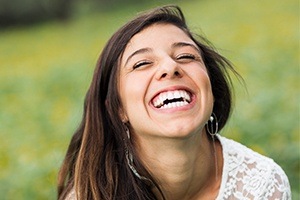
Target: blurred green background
47 63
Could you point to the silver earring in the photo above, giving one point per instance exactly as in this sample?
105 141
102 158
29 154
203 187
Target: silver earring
127 132
212 128
212 125
129 158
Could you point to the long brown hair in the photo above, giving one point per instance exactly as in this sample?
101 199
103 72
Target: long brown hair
95 165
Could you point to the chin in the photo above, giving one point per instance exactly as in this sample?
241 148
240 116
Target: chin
182 132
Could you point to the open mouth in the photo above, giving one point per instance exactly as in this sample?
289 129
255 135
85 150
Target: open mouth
172 99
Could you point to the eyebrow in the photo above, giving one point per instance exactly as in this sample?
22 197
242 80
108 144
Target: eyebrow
185 44
139 51
175 45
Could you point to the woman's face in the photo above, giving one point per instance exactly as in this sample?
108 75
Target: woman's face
164 86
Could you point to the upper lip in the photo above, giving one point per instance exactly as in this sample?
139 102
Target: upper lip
172 88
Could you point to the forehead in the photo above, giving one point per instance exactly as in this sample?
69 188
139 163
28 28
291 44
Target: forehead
154 36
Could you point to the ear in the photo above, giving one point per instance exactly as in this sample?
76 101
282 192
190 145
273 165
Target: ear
123 115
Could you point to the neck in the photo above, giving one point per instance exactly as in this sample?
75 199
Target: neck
183 168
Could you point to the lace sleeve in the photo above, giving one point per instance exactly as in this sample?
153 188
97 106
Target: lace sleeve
248 175
279 187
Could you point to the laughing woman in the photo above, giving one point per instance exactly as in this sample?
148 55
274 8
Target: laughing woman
151 118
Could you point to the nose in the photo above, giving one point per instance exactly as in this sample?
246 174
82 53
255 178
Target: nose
169 70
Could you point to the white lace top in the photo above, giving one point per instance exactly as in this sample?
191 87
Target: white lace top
248 175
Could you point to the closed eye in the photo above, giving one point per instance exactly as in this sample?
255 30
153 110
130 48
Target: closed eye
186 56
141 63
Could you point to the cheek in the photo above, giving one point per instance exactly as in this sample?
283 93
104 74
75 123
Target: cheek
201 77
206 80
207 84
132 91
123 91
202 81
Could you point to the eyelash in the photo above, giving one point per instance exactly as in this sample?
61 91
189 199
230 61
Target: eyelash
141 63
186 56
180 57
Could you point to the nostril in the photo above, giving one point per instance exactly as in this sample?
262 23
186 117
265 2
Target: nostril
170 73
176 73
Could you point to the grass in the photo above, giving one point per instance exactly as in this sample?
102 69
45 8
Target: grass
46 69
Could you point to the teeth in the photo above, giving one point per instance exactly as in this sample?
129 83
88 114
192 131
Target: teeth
187 97
175 104
176 94
164 97
169 95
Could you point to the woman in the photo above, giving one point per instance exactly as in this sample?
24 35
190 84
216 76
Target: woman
151 117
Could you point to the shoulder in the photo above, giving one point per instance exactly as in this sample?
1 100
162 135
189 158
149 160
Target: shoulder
249 174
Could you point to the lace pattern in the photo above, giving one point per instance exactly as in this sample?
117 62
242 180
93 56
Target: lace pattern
248 175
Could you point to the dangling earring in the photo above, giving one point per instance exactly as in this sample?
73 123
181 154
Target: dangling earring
127 132
212 128
213 131
129 158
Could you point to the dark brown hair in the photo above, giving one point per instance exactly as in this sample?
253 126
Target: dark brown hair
95 165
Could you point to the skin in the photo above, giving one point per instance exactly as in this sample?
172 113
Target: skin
172 142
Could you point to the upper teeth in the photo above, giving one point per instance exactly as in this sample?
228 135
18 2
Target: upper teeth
182 96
